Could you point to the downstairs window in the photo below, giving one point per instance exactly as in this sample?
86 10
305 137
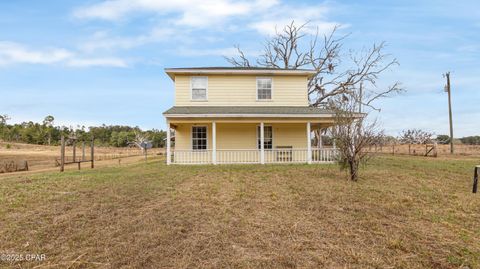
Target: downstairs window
199 137
267 137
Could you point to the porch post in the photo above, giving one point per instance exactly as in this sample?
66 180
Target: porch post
168 143
309 144
320 139
262 150
214 142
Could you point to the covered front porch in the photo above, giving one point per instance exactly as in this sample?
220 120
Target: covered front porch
247 141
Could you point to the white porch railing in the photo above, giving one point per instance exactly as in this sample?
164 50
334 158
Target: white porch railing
192 156
324 155
245 156
226 156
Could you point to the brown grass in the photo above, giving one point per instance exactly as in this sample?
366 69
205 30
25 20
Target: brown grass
405 212
42 158
442 150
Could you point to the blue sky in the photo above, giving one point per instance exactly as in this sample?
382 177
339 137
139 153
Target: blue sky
95 62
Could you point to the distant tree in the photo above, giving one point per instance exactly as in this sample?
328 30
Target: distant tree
46 133
3 119
48 124
415 136
157 137
3 126
443 139
470 140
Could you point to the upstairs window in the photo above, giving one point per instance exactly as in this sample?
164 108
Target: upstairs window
264 88
199 88
267 137
199 137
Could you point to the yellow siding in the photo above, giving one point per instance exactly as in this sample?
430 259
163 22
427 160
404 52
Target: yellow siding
243 135
290 134
236 136
183 136
241 90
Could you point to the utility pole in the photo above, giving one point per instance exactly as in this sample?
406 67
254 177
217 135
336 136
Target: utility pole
448 90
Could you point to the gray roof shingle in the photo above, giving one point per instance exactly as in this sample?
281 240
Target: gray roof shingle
274 110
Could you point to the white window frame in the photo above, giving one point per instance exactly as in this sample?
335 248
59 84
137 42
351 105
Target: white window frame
191 89
271 90
206 134
257 128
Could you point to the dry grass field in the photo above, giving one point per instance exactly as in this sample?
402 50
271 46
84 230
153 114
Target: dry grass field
405 212
42 158
442 150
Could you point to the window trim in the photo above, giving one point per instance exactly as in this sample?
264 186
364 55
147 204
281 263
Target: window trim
271 90
191 89
206 138
257 129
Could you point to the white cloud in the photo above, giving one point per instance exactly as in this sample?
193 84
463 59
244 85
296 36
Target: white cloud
88 62
180 18
207 52
282 15
14 53
194 13
263 15
101 40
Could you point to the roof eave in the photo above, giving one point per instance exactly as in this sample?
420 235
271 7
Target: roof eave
171 72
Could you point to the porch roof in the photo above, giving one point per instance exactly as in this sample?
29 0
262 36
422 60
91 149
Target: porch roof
247 111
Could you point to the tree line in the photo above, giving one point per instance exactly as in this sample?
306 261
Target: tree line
46 133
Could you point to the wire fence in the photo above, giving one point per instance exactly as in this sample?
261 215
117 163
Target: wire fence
38 158
422 149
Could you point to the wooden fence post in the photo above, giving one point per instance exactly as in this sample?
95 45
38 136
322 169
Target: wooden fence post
74 150
91 153
62 154
475 179
83 151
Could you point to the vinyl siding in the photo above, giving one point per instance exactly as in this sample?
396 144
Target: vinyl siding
183 136
290 134
238 90
243 135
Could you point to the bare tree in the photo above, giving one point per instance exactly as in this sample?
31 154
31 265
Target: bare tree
344 82
415 136
139 141
353 134
294 48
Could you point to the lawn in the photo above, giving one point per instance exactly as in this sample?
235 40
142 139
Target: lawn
405 212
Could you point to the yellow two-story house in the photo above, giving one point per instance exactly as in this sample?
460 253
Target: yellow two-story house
227 115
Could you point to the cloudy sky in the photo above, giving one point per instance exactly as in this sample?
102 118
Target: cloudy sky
100 61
